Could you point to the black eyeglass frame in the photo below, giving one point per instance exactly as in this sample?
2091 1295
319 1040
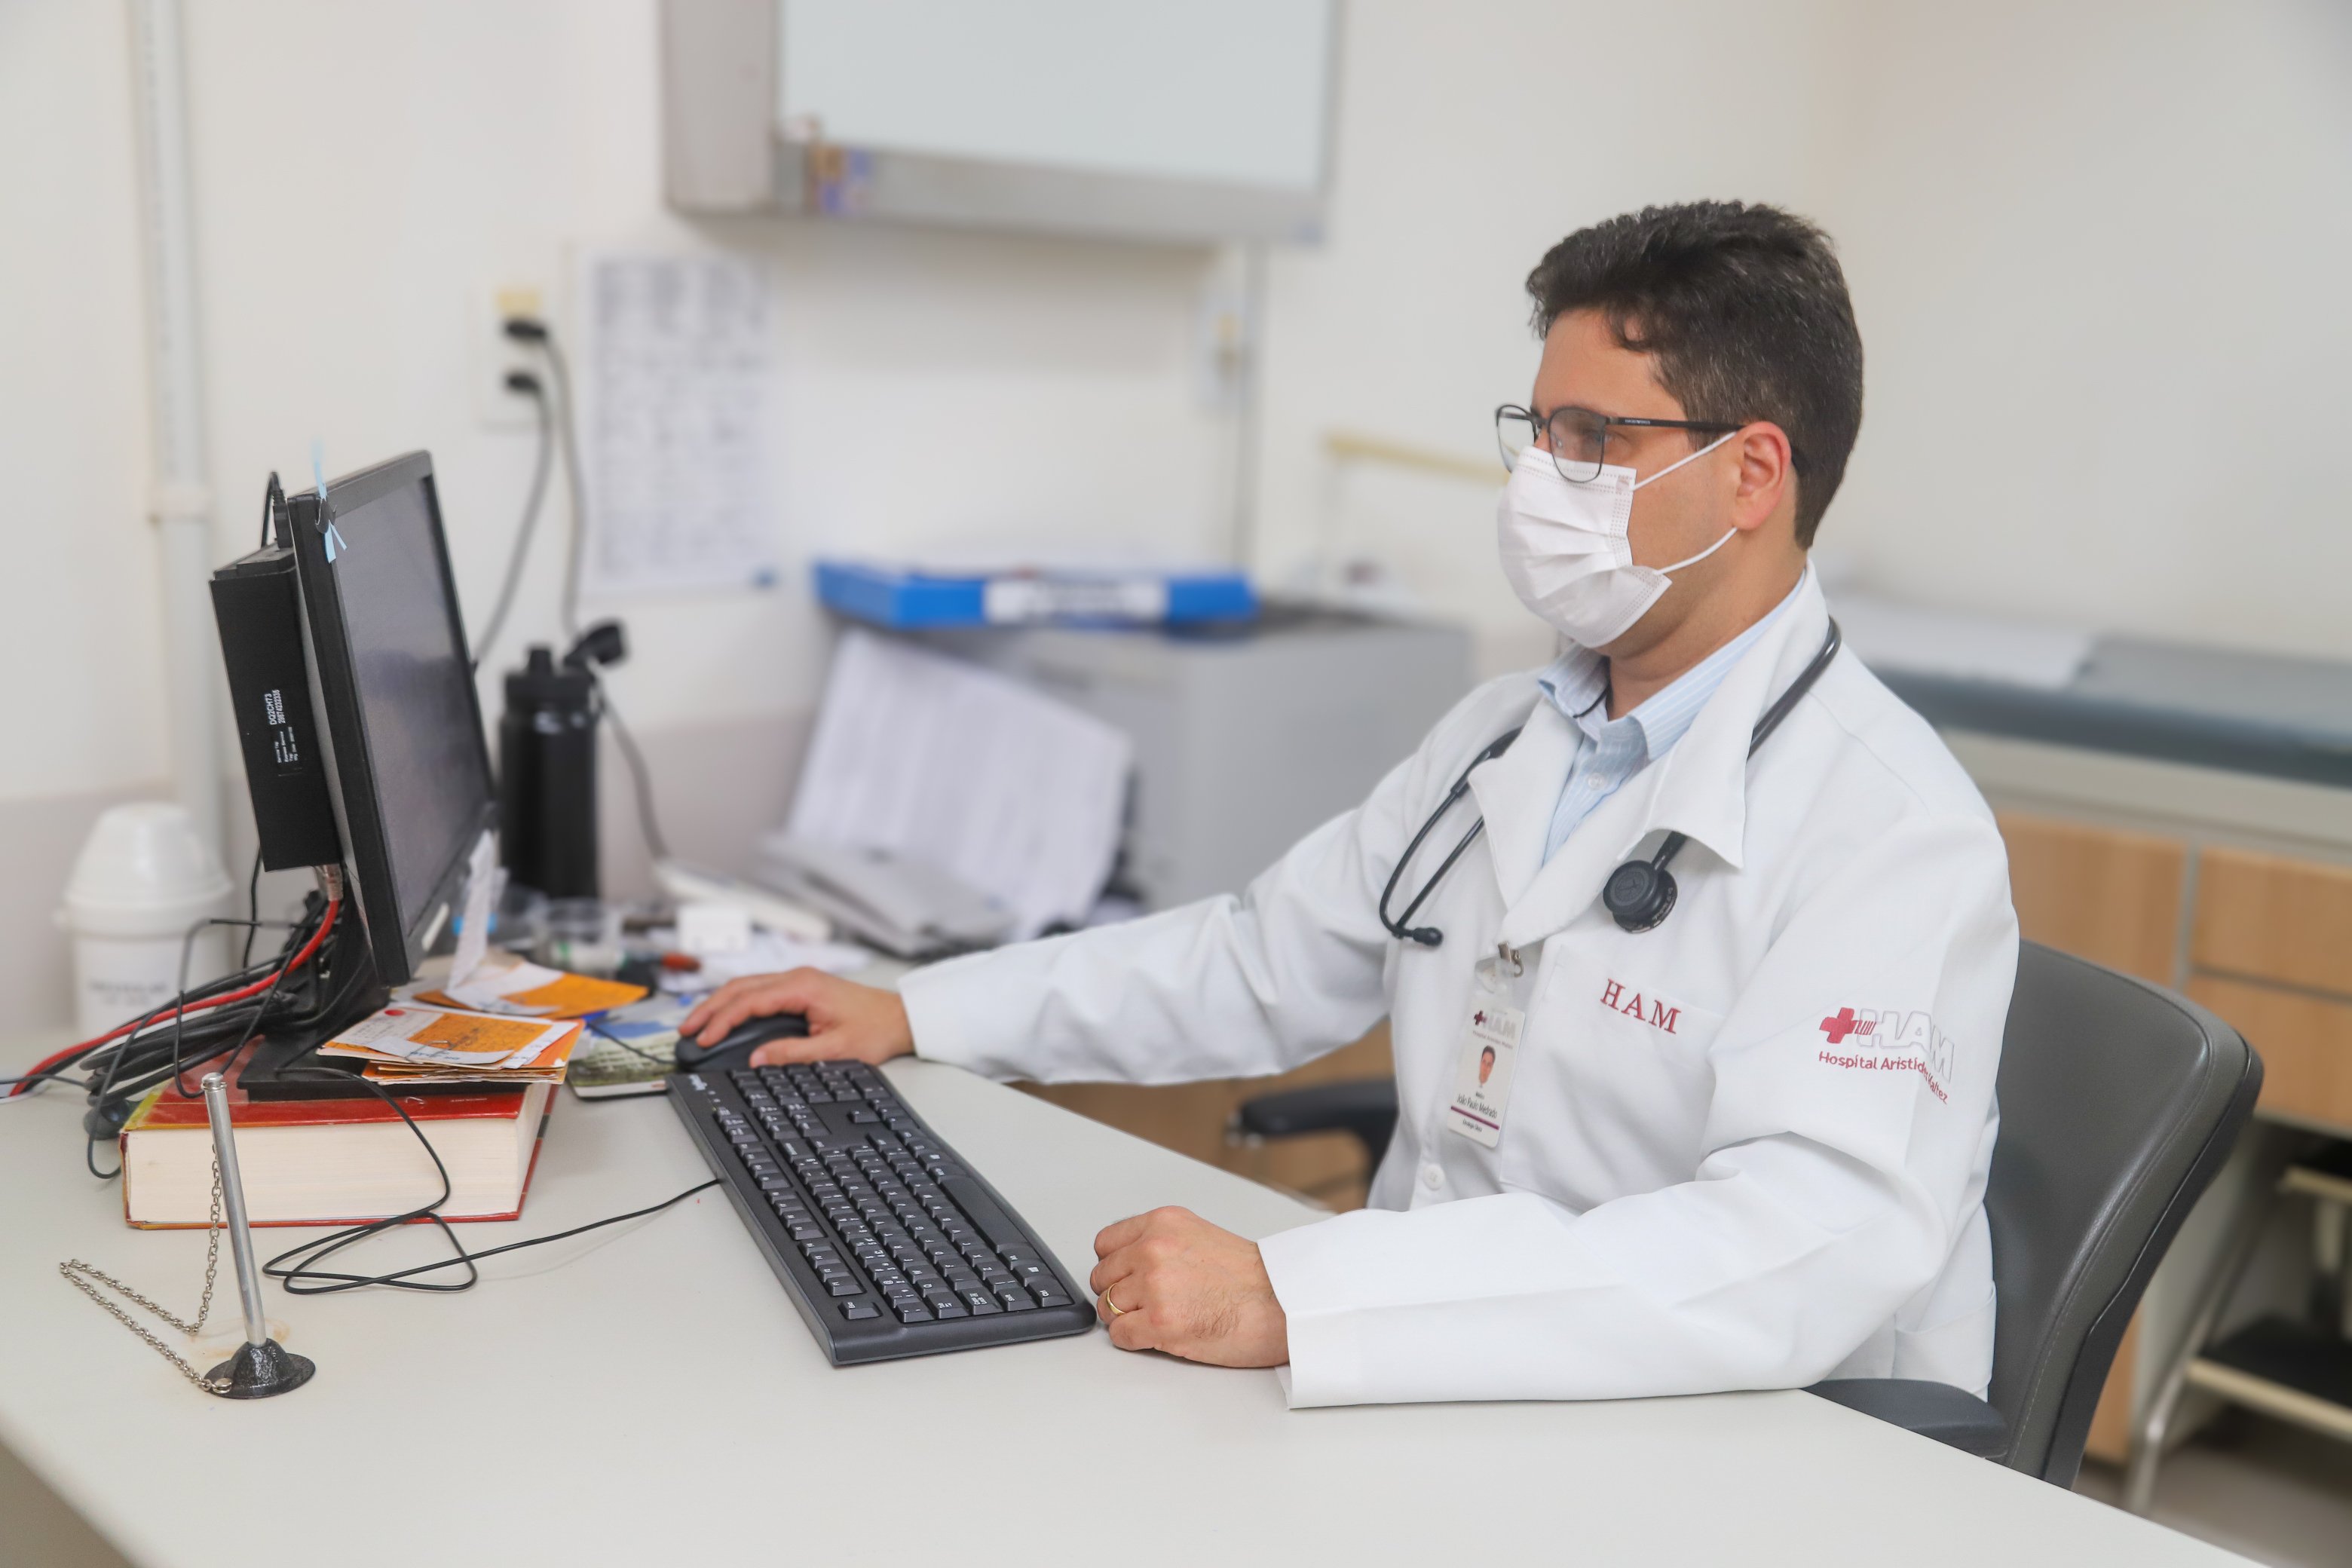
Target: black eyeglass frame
1703 427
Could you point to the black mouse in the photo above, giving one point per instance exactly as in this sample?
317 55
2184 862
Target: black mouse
692 1057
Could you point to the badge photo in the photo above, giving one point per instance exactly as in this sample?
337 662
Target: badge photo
1482 1076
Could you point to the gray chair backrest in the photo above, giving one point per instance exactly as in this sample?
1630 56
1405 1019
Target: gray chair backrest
2119 1101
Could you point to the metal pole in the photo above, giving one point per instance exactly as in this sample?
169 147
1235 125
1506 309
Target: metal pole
240 1234
181 501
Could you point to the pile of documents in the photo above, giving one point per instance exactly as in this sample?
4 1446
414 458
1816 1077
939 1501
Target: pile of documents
1017 796
410 1044
504 984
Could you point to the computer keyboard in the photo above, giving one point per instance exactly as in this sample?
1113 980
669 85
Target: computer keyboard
888 1243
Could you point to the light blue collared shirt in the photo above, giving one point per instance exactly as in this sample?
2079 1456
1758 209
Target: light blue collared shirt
1610 751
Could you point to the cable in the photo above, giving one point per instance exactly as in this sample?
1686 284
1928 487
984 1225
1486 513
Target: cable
252 912
640 777
528 385
526 329
179 1006
570 429
297 1275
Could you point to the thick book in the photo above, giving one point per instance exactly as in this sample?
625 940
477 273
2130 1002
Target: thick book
330 1162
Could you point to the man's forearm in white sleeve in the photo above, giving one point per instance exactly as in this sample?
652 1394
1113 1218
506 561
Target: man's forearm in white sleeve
1828 1199
1226 988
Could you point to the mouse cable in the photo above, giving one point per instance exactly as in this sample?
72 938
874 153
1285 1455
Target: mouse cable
303 1276
603 1033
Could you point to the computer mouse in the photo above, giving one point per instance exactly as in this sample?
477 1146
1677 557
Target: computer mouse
740 1041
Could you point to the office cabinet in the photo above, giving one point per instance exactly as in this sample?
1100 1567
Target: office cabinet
2109 896
2263 940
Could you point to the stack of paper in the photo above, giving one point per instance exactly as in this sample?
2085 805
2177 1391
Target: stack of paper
427 1045
1011 793
503 983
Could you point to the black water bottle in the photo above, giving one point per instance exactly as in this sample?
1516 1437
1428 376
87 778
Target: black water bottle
547 777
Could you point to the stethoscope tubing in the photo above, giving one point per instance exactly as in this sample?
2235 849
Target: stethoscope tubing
1430 936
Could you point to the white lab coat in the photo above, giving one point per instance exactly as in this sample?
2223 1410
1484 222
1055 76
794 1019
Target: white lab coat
1725 1184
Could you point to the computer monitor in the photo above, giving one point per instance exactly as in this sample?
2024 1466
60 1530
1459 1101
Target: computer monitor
409 765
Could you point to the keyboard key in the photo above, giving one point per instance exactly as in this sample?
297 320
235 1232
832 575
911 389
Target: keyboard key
844 1288
979 1302
858 1312
1052 1299
913 1312
1015 1298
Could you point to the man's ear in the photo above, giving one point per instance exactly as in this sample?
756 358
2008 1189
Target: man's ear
1768 475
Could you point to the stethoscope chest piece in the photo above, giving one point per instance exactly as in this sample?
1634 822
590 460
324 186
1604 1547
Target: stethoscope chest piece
1639 895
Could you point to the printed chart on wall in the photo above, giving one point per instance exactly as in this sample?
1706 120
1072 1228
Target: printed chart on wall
676 397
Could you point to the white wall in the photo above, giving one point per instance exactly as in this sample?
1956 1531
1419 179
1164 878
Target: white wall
2099 251
2098 248
362 175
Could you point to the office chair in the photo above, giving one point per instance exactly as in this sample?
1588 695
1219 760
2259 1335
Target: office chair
2119 1101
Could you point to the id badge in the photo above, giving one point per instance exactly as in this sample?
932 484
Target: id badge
1482 1078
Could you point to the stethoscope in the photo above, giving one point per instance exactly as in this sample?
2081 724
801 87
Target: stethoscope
1640 894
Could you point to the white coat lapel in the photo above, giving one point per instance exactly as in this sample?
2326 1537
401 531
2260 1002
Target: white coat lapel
1699 789
1516 793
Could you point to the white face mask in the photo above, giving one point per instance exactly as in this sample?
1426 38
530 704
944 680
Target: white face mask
1565 550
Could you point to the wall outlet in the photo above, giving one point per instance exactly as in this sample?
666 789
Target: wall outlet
496 354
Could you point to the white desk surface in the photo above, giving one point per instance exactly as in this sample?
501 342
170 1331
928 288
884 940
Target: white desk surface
648 1394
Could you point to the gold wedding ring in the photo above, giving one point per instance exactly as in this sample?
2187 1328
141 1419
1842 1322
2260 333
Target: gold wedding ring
1115 1309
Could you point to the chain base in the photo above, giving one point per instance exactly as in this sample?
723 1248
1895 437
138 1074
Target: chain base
258 1372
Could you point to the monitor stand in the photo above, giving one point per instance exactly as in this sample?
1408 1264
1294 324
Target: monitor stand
286 1065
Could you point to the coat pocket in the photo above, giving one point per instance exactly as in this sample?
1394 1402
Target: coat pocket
1614 1083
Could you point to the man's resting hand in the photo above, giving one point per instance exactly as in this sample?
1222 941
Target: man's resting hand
1182 1285
846 1021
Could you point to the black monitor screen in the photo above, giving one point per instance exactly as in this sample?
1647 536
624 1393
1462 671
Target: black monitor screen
416 696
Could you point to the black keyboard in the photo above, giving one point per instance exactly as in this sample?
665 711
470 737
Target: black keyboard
888 1243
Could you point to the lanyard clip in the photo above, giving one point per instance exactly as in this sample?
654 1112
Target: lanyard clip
1505 953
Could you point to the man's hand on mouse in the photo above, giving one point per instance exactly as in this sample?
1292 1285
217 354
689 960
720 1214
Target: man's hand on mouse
846 1021
1169 1280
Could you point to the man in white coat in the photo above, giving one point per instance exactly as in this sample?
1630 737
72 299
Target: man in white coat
1743 1146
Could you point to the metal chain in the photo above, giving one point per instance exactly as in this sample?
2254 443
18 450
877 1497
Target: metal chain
76 1269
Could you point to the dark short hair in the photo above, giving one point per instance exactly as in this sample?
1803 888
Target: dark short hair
1745 309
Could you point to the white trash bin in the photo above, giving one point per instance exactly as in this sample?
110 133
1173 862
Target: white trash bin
142 879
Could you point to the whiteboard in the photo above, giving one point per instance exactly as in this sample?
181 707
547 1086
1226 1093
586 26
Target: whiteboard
1227 93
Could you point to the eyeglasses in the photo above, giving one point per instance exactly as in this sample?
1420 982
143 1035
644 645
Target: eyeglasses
1578 437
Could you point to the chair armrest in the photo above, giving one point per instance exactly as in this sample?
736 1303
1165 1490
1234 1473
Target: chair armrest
1365 1109
1937 1410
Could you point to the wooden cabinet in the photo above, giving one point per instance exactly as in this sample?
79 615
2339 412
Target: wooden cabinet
2108 896
2265 941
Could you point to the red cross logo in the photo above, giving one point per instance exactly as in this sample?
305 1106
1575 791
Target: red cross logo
1839 1028
1479 1019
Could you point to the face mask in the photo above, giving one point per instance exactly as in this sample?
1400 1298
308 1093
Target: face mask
1565 550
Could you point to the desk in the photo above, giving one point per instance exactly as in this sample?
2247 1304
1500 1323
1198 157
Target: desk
670 1407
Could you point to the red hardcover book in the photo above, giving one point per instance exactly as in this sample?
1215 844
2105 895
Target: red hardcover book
335 1161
